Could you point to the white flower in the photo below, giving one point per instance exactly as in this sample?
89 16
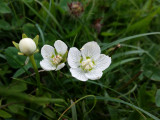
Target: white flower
27 46
87 63
53 58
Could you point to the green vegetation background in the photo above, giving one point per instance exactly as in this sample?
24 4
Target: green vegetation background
129 88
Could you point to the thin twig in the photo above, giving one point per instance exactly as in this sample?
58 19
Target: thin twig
115 49
33 74
130 81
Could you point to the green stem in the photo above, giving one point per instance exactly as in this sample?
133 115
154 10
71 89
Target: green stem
36 70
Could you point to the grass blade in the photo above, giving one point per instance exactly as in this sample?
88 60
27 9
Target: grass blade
105 46
129 104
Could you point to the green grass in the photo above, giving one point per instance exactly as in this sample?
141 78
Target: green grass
128 89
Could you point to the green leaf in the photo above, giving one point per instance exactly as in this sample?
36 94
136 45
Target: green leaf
107 34
5 114
146 97
147 5
152 72
74 112
113 113
158 98
2 56
30 30
120 63
18 86
28 98
135 116
28 1
49 113
14 60
17 22
36 40
41 33
84 111
16 108
4 8
129 104
152 55
132 52
143 25
21 70
4 25
74 32
63 4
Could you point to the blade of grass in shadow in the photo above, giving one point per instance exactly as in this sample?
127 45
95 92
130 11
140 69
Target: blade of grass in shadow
41 33
146 52
2 56
128 53
129 104
47 18
36 13
49 13
105 46
91 10
74 111
43 87
120 63
29 98
20 65
87 96
32 110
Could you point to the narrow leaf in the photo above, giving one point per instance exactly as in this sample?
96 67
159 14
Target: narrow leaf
158 98
4 114
74 112
105 46
129 104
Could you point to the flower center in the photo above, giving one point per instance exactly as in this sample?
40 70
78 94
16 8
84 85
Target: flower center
57 59
87 64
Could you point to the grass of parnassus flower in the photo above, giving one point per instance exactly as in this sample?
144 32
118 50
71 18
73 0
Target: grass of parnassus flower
128 89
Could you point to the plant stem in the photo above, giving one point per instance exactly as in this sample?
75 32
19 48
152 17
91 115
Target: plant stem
130 81
36 71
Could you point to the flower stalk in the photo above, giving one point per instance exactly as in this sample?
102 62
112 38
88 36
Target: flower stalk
36 70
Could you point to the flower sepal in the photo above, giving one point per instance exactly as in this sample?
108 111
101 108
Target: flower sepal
15 44
37 50
24 36
20 53
36 40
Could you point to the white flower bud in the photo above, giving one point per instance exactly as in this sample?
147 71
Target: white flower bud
27 46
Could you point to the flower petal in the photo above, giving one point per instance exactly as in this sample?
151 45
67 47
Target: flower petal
60 66
47 65
47 51
61 47
78 73
74 57
103 62
94 74
91 49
